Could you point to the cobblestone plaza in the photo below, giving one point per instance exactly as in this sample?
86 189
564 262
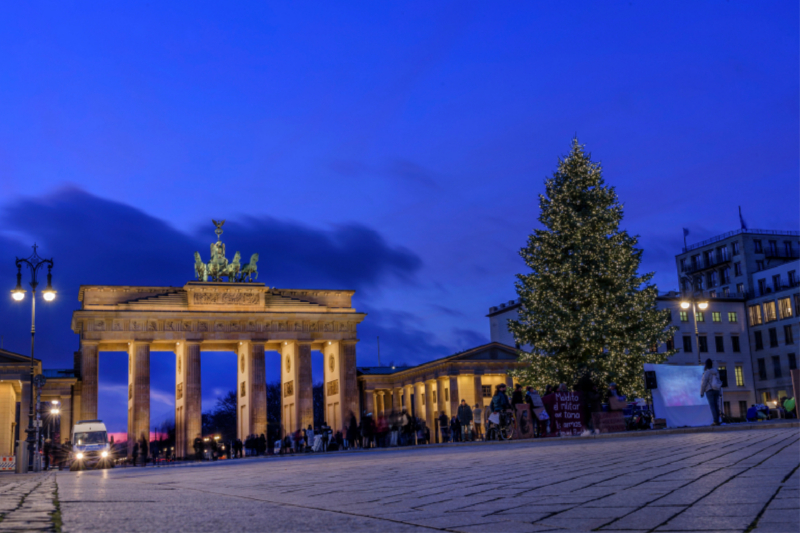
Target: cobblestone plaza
705 481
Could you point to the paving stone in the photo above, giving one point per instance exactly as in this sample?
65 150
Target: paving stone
776 515
707 523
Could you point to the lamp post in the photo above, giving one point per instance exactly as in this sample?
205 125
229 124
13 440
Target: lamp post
34 263
694 303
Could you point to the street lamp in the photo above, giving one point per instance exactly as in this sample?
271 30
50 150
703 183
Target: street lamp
34 263
693 301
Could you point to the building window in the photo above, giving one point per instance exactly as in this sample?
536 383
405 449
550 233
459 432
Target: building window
725 275
712 279
762 287
759 265
487 391
762 368
792 278
723 374
755 315
684 316
740 288
792 362
703 344
712 294
719 343
735 344
716 316
733 317
695 261
700 316
739 375
687 343
766 397
796 304
670 344
726 408
759 340
773 337
726 291
683 265
742 409
785 307
788 336
769 311
776 366
737 269
787 247
773 247
776 283
735 246
757 244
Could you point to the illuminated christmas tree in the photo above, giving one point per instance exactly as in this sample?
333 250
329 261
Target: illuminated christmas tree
585 307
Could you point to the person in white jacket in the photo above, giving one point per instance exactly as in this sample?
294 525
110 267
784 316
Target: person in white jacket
711 388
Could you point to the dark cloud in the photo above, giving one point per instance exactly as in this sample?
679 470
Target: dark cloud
98 241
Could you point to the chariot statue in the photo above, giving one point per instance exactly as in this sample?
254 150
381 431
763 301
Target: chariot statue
218 266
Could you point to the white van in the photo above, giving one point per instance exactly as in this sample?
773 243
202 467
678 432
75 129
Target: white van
90 447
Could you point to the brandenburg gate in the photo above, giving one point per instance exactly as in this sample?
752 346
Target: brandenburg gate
237 315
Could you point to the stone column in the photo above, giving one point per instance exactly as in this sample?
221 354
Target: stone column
89 366
397 402
479 390
8 417
188 399
441 402
369 402
138 392
382 402
419 393
455 399
252 397
22 444
430 409
348 383
407 393
65 414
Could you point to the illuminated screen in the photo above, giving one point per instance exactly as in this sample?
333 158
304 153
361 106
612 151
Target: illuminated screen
679 386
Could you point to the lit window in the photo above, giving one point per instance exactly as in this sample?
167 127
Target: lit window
755 314
716 316
785 306
733 317
684 316
700 317
769 311
739 376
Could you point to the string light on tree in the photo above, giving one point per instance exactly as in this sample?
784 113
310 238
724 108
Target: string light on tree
585 308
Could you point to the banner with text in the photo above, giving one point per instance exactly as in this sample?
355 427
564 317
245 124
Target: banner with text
567 414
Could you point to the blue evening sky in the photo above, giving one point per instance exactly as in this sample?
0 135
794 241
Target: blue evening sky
394 148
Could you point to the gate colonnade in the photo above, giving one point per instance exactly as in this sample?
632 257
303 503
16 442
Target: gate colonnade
244 318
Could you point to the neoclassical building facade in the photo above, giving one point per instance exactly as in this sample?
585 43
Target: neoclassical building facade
437 386
245 318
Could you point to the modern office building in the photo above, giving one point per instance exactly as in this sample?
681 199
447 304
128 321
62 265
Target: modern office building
772 316
762 268
722 337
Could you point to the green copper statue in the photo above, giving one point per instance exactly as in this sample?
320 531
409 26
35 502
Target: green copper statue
218 266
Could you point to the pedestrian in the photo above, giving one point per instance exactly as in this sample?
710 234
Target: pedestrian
455 430
143 449
198 448
262 444
308 436
477 421
47 449
135 452
711 387
443 423
325 435
352 432
517 397
464 417
537 408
